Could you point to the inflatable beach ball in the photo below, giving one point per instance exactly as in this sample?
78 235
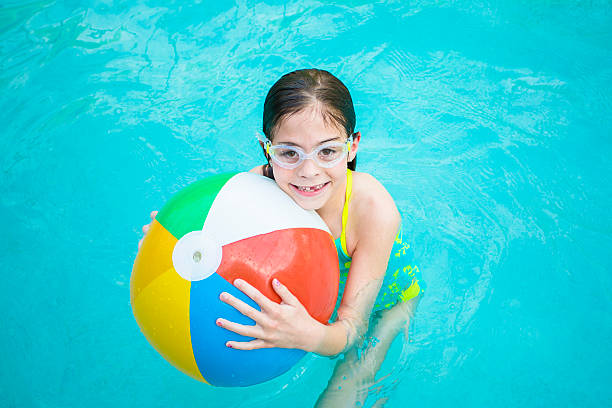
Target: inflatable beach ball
230 226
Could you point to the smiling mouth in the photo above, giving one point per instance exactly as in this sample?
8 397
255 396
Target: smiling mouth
310 189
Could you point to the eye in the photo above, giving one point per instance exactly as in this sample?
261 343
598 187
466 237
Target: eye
289 154
330 153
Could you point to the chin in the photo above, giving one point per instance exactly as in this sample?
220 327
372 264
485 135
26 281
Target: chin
308 204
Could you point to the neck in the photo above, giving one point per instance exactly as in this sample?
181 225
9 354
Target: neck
331 212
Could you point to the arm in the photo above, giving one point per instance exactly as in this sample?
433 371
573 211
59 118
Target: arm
376 221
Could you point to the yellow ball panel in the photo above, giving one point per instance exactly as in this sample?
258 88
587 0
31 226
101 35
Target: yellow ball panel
153 259
162 312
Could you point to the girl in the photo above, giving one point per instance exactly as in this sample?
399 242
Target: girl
311 145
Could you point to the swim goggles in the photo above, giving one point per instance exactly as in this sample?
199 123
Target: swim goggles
289 157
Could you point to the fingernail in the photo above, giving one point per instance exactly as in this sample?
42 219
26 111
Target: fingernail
228 345
222 296
219 323
237 282
276 282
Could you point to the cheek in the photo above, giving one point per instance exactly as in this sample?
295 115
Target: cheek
337 172
281 176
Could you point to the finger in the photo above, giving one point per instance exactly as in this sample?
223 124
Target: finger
242 329
153 215
145 228
248 345
252 292
285 294
242 307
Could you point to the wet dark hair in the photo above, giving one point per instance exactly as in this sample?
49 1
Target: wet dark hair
308 88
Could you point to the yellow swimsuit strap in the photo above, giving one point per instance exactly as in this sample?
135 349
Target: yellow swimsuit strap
347 199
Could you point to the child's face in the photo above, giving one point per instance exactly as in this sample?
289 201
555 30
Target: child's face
310 185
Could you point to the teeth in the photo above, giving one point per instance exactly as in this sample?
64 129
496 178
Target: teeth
311 188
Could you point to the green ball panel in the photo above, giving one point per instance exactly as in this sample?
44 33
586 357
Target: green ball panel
187 210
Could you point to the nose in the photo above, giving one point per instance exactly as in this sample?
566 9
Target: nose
309 168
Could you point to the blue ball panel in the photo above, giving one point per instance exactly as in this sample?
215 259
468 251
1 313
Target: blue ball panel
220 365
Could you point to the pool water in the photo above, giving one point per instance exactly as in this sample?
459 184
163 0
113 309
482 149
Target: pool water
489 123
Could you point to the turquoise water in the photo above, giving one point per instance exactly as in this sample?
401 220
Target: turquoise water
489 122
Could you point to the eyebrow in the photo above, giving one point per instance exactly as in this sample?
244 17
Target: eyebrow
318 144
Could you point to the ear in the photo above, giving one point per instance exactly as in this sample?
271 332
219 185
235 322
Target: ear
354 146
264 151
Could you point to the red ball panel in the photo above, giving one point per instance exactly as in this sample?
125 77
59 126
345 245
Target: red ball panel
303 259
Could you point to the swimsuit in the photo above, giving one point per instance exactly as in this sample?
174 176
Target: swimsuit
402 279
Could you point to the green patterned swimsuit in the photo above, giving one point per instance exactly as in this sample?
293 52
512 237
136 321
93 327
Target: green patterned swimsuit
402 280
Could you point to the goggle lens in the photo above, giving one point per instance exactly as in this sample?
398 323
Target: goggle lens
327 155
286 155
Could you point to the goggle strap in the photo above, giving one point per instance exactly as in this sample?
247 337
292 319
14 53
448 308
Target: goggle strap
266 142
349 143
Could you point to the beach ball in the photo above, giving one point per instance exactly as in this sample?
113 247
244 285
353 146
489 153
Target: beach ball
229 226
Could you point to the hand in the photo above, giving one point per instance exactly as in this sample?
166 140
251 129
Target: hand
284 325
145 228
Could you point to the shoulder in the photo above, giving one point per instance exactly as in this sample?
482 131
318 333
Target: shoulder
370 196
375 214
257 170
373 225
